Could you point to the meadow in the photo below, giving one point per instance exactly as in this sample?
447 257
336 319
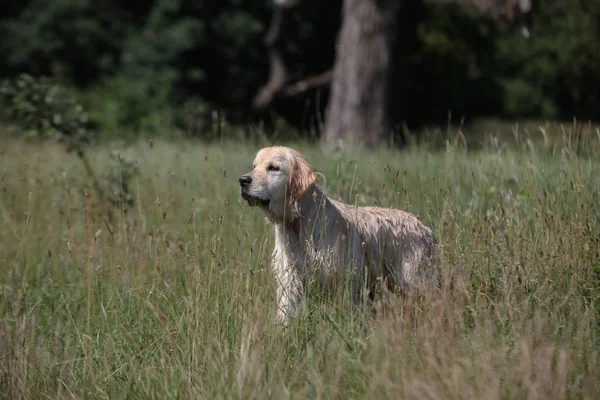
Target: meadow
173 297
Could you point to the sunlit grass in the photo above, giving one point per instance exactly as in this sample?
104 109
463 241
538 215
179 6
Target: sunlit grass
174 298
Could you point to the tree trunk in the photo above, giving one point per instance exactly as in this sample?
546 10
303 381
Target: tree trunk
369 82
359 109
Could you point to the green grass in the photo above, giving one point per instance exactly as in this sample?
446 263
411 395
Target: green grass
174 299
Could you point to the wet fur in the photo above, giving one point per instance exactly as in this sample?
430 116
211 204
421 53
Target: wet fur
324 241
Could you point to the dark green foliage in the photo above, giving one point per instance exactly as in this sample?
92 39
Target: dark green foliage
73 40
45 109
453 65
555 73
141 64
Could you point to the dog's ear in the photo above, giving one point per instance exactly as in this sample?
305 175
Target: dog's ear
302 176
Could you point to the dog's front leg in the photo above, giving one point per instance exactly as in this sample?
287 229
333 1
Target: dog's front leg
289 288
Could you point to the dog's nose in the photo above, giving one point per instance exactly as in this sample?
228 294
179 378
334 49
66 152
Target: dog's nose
245 180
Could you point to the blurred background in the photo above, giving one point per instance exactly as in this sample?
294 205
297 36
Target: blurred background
368 70
130 266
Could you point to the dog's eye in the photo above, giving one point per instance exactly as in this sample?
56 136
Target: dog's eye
273 168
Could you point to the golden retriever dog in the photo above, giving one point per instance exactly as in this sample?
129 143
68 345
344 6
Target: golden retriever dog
321 240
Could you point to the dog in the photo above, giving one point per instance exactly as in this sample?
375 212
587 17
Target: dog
321 240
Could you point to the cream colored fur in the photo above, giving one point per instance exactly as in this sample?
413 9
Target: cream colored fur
324 241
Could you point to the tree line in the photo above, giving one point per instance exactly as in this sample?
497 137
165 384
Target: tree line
151 65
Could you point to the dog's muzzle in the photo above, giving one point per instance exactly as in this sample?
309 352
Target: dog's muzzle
252 200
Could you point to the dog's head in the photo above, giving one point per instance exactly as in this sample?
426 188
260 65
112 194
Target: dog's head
280 176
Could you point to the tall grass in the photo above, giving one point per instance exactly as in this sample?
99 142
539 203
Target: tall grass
174 298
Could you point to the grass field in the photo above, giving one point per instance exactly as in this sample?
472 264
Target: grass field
174 298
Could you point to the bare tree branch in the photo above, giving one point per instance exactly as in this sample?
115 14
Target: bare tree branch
273 33
277 79
276 85
307 84
278 73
